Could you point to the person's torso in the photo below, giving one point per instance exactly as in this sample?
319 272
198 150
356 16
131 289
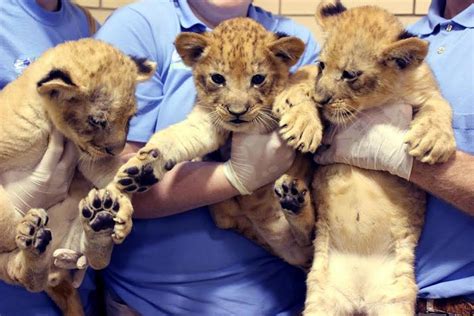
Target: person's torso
26 31
184 264
445 253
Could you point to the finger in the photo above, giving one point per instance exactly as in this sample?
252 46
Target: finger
78 277
66 258
53 153
69 157
82 262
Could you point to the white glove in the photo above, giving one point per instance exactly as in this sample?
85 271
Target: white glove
374 140
71 260
257 160
48 183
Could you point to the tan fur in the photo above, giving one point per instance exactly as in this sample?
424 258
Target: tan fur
96 82
369 221
236 51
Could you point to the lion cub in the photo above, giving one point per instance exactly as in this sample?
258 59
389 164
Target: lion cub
369 222
85 89
239 68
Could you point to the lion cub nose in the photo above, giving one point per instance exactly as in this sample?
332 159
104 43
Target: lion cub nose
237 110
114 149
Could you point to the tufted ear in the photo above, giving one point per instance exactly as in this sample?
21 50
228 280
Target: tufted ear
288 49
327 10
57 83
405 53
146 68
191 46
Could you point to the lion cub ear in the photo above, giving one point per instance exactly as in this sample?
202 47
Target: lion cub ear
146 68
405 53
57 83
288 49
327 10
191 46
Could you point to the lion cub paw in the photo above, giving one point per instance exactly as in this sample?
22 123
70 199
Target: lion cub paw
31 233
430 141
291 193
301 131
291 97
143 170
107 211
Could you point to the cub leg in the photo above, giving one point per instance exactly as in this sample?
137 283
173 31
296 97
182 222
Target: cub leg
296 205
430 138
405 230
100 216
264 211
299 118
32 238
318 299
191 138
66 298
229 215
28 265
9 219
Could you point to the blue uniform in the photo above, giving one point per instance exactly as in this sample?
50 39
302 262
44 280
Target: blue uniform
445 253
184 264
26 31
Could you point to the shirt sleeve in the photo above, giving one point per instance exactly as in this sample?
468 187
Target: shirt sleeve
129 31
311 51
312 48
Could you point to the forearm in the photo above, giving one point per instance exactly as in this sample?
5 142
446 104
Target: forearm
187 186
452 181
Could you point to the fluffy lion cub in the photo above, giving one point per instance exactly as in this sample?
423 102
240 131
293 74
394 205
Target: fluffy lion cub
85 89
369 221
238 70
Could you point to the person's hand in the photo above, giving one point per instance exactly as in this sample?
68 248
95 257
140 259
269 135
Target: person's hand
257 160
71 260
48 183
374 140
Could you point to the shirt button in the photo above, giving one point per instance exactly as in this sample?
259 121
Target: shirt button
440 50
449 27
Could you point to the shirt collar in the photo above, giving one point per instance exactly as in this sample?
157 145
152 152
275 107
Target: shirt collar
188 20
43 16
435 18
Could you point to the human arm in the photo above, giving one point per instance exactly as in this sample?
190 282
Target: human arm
48 183
453 181
255 161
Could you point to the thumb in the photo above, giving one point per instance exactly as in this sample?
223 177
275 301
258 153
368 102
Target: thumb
325 155
78 277
69 157
53 153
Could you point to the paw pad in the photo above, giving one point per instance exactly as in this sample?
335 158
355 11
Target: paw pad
291 196
99 208
32 233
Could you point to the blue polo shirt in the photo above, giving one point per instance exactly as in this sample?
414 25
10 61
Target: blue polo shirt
26 31
184 264
445 253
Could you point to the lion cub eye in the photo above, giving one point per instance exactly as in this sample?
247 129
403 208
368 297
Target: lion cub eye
321 65
218 79
96 122
257 80
351 75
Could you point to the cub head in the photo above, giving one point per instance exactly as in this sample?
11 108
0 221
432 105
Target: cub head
238 70
88 91
365 61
